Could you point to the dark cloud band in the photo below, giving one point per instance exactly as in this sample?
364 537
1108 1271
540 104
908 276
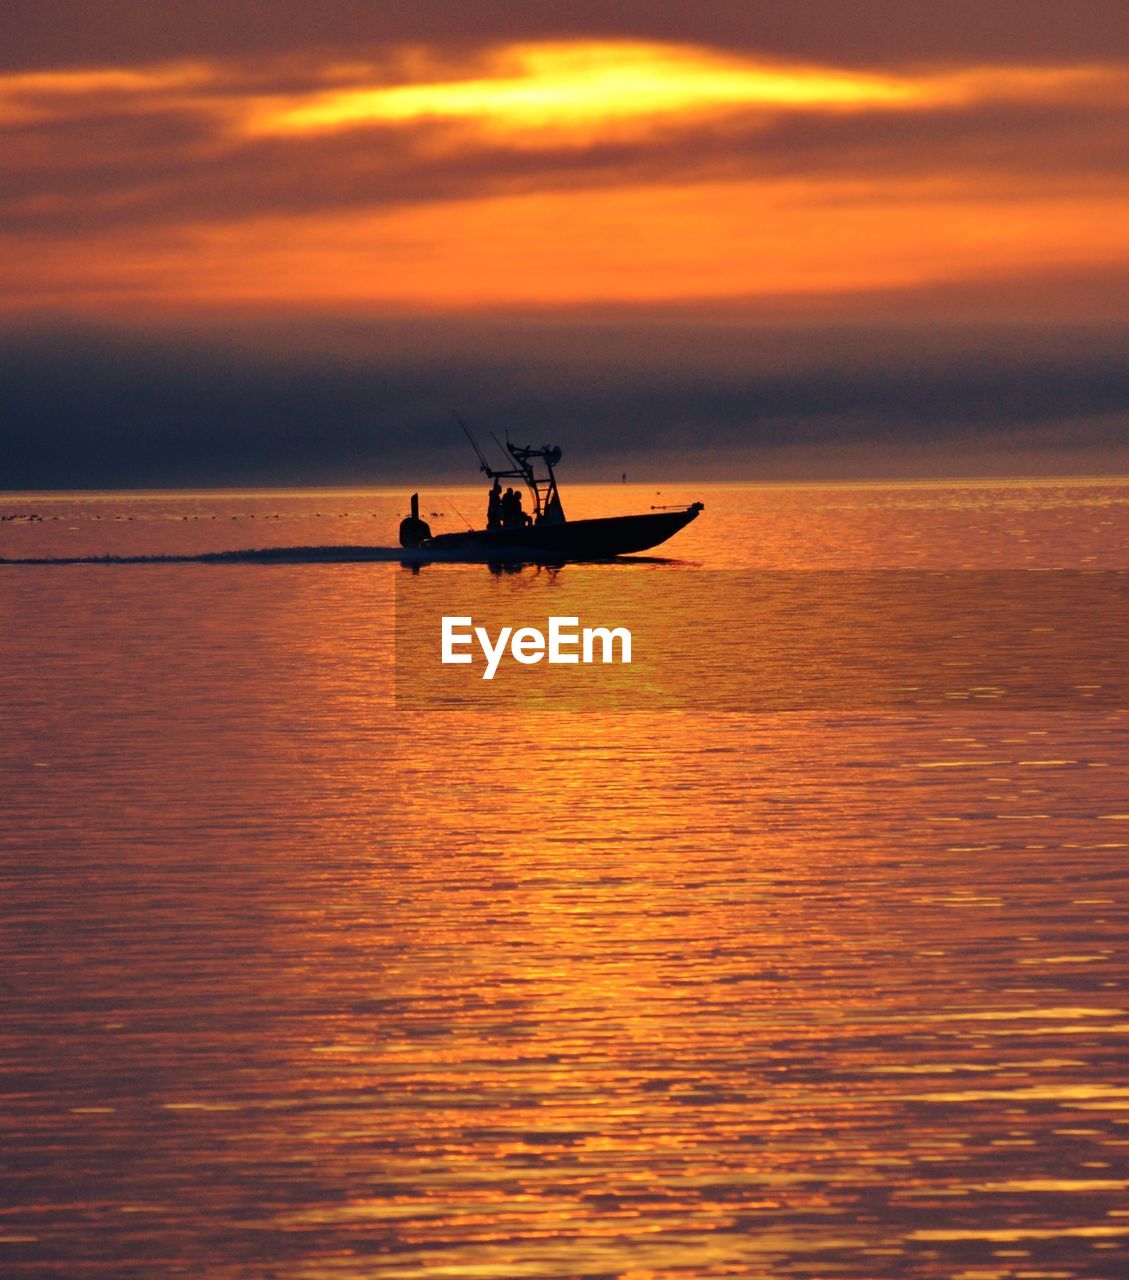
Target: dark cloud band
373 404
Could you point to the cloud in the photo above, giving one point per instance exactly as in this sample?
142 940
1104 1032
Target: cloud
648 242
732 232
373 402
546 174
861 33
106 170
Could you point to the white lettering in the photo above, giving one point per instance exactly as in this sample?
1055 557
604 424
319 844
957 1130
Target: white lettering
607 638
528 645
450 639
558 637
493 655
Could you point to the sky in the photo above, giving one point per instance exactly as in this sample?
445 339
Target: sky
283 242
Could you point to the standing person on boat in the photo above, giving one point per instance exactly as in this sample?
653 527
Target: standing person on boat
508 509
494 507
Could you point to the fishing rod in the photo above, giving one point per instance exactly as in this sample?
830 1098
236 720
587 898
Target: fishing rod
504 452
474 445
462 517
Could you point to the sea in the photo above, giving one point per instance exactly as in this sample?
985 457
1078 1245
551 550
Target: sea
299 982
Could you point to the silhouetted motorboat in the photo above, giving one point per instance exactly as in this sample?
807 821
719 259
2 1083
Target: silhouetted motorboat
545 535
574 540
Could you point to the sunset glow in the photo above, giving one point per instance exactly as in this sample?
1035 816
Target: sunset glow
566 650
562 87
650 243
543 173
570 85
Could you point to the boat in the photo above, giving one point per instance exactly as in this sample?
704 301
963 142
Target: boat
544 535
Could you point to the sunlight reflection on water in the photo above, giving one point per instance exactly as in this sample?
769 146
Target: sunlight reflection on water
298 985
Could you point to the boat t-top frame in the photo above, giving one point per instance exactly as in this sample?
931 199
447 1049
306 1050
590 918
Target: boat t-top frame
547 507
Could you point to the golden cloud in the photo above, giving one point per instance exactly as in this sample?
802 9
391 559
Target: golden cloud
214 207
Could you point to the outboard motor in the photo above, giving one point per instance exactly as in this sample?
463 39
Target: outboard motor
413 530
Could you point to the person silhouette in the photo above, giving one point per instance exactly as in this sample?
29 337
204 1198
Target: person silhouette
494 507
510 502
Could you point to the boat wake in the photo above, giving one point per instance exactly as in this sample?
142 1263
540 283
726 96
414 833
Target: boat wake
305 555
254 555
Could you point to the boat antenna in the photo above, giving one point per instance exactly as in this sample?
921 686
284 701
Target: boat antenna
474 445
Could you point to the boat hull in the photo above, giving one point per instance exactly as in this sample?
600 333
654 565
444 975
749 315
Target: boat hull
598 539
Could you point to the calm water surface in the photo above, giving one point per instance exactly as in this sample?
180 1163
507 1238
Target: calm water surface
296 985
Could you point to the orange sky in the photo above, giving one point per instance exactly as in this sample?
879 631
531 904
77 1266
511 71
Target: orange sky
266 241
547 173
